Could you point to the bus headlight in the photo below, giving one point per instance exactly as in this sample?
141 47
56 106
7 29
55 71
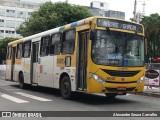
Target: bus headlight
97 78
140 80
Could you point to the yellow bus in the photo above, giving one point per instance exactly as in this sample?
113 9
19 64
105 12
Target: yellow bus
93 55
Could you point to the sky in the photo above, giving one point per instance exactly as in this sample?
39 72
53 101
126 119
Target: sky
127 6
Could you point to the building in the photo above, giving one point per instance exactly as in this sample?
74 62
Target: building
97 11
12 14
99 5
98 8
115 14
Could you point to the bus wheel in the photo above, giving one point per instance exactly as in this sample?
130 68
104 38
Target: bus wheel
21 81
66 88
111 95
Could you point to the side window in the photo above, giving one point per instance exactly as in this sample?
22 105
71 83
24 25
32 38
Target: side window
45 46
55 46
9 53
27 49
68 41
19 51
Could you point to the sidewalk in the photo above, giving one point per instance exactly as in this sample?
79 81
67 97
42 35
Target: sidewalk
154 92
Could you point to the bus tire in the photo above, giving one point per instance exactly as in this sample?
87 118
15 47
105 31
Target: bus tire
21 81
111 95
66 88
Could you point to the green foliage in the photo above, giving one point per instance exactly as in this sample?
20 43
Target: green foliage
51 15
152 29
3 47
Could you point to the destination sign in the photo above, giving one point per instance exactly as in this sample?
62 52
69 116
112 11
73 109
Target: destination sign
101 22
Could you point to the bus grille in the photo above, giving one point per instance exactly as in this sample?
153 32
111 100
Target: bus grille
117 73
121 82
115 89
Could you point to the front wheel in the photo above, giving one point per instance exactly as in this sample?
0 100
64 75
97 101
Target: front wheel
66 88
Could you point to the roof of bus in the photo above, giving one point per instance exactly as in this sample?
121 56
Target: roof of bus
15 42
55 30
65 27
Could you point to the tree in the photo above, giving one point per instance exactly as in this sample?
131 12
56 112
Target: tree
51 15
3 47
152 28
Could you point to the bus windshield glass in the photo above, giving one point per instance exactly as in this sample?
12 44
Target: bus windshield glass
115 48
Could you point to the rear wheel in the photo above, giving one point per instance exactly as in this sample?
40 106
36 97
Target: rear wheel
21 81
66 88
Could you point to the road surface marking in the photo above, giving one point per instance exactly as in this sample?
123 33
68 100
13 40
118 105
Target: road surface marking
32 96
14 89
128 94
14 99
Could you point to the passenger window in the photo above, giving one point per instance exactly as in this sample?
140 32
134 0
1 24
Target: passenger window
19 51
27 49
55 47
45 46
68 43
9 53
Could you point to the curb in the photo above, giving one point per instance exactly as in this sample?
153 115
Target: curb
151 94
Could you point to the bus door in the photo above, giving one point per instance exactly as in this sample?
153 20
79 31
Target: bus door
82 61
34 63
13 62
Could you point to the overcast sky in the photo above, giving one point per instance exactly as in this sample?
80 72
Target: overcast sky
152 6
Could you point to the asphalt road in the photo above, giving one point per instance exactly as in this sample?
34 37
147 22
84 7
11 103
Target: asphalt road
12 98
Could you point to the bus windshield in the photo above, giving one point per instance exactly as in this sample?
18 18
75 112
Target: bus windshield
115 48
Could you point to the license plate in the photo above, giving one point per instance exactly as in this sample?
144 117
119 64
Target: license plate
121 88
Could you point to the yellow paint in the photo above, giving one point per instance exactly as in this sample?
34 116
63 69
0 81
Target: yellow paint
26 66
18 61
82 27
67 27
61 60
95 87
87 20
8 62
92 85
14 43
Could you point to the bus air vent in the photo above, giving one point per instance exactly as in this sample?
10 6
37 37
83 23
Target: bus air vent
117 73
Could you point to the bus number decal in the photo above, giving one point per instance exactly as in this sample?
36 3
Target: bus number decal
60 61
110 78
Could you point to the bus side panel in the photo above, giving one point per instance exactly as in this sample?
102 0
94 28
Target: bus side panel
26 67
70 70
59 69
92 85
8 69
56 72
18 68
45 71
